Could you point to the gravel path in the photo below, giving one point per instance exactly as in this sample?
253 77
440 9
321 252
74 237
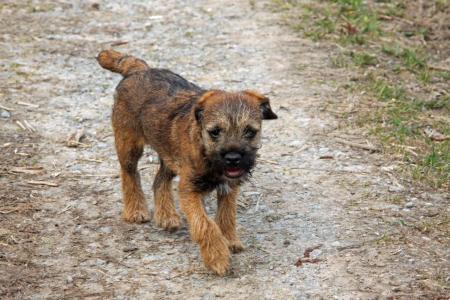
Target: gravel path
308 190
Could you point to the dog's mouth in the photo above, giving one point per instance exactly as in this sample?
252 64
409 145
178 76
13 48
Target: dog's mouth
233 172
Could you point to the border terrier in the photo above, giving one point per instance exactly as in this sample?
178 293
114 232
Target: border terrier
209 138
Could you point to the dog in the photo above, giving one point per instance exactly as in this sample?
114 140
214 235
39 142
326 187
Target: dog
209 138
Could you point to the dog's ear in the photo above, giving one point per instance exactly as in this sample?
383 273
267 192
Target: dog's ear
200 105
264 104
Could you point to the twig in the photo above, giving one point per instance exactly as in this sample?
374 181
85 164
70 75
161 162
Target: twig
328 170
404 146
6 108
96 175
412 152
355 145
8 211
29 126
308 251
301 149
439 68
156 17
326 157
302 261
390 18
22 154
257 203
91 159
268 161
65 209
144 167
118 43
28 104
39 182
27 170
21 125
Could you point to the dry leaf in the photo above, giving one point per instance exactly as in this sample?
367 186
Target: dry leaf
435 135
74 139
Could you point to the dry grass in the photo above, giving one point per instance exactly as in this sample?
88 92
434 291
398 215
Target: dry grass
397 53
19 233
399 50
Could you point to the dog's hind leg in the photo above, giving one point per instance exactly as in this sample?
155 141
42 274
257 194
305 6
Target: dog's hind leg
165 214
129 146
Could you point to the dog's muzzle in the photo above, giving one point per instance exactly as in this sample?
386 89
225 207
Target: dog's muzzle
235 164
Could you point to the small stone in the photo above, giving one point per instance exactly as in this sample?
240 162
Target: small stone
335 244
69 279
410 204
106 229
396 189
436 198
447 279
272 218
99 262
295 144
130 249
208 296
324 150
387 168
5 114
251 193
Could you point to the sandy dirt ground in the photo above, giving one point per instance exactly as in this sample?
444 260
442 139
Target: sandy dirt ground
61 234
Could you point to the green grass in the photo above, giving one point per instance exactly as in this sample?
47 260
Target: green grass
400 77
339 61
386 91
412 59
364 59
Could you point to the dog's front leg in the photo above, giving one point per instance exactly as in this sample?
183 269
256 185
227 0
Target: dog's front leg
204 231
226 216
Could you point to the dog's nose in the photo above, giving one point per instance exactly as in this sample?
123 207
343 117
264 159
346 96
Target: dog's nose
233 158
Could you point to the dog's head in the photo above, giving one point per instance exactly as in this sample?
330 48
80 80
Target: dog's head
230 126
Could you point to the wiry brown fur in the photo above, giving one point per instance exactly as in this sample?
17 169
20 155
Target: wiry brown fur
176 118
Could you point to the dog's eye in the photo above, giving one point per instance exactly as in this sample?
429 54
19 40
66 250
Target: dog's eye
250 133
214 133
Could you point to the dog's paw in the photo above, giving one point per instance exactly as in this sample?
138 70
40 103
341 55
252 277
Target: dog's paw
235 246
215 253
220 266
219 261
170 223
137 216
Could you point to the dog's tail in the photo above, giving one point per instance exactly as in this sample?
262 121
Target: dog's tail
121 63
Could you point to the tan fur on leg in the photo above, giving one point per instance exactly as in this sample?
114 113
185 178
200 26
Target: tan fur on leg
226 217
165 214
129 149
204 231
